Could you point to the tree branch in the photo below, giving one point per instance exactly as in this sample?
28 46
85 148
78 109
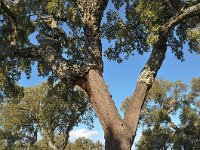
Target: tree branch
173 125
7 11
72 123
91 14
153 64
183 15
12 19
63 68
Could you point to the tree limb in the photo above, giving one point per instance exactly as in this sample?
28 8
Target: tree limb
153 65
63 68
12 19
7 11
183 15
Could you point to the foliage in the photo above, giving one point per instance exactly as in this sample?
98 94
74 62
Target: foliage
59 30
50 111
165 102
159 139
84 144
138 29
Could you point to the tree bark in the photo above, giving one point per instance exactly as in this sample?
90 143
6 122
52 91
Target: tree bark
105 108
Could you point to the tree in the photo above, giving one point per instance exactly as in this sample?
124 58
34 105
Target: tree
44 110
153 139
166 101
84 144
69 48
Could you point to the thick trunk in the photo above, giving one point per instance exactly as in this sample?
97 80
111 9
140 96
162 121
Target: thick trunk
105 108
119 135
115 137
121 144
102 102
125 136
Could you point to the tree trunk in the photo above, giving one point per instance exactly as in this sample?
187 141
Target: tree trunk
128 132
120 142
120 134
102 101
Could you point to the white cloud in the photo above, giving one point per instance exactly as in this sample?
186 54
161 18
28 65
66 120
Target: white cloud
74 134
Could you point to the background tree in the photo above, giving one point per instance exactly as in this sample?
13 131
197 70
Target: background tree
69 49
44 110
84 144
170 117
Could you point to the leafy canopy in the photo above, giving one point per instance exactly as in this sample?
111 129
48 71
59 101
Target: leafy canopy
48 111
84 144
139 26
49 33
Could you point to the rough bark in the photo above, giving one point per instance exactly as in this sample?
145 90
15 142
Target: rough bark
105 108
102 101
119 135
91 15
